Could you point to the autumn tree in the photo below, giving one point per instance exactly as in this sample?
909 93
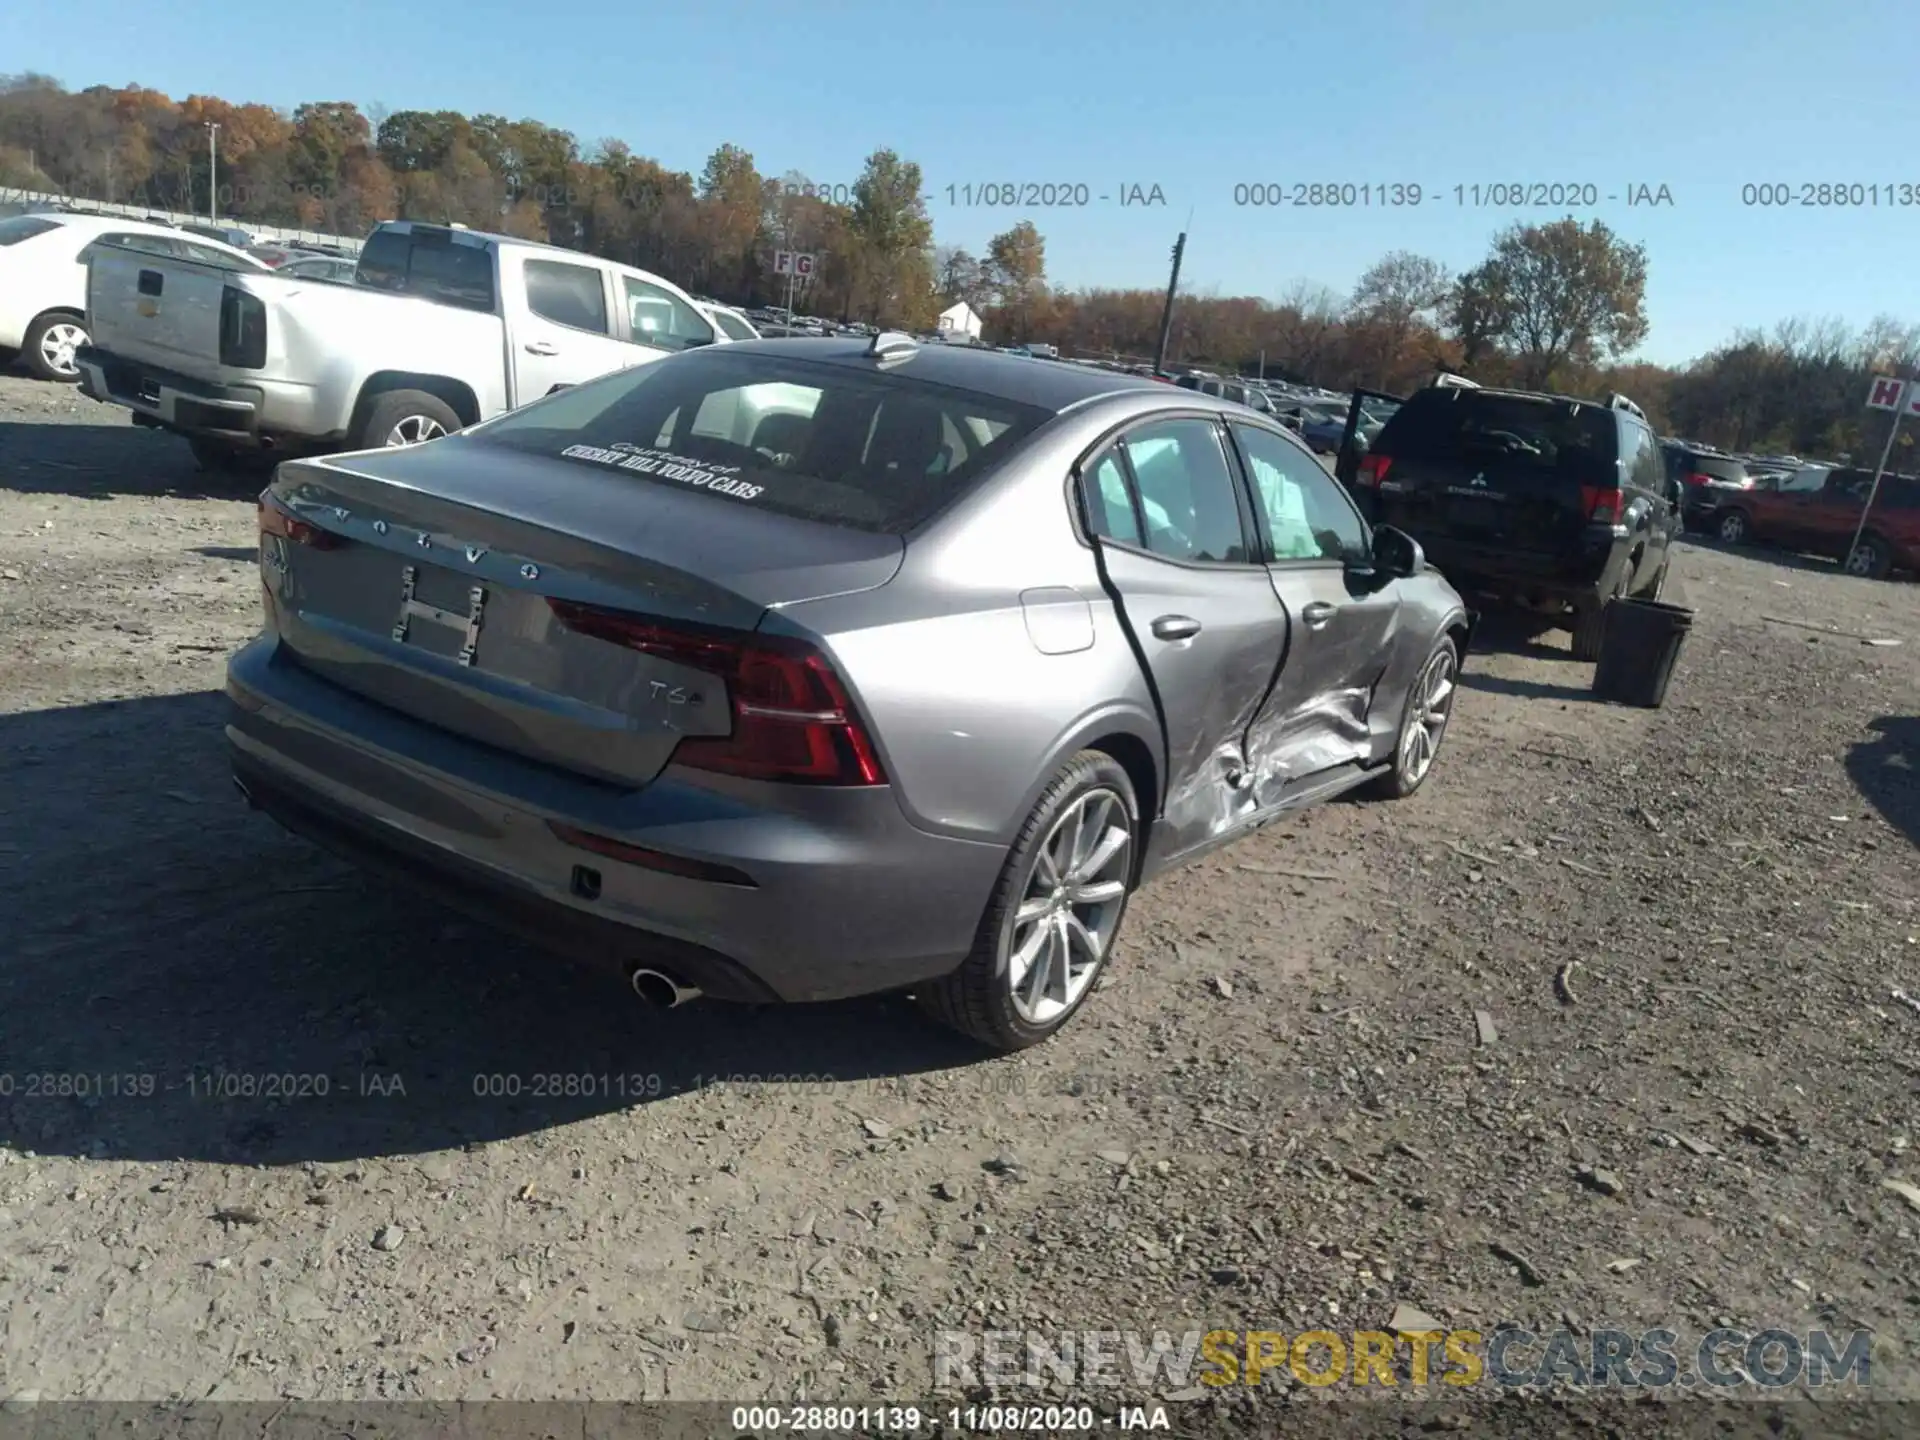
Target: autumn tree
733 217
1399 294
1564 292
962 276
1016 268
892 242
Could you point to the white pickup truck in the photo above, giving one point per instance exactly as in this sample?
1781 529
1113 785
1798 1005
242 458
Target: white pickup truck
443 328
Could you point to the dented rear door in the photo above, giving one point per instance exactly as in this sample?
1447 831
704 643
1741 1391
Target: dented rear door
1326 706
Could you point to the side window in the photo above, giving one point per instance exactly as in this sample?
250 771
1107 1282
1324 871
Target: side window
1187 493
1652 469
141 240
662 319
1633 450
207 255
1307 517
1108 501
570 295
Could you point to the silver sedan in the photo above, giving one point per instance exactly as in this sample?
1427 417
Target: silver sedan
795 670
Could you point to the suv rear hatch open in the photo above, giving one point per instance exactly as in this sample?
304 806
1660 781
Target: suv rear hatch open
1482 470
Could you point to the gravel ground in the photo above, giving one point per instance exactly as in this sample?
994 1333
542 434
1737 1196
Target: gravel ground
1282 1111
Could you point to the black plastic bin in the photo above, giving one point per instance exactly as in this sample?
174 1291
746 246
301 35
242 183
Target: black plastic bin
1639 650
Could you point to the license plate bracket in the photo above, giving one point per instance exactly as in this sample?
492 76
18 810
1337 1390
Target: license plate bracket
465 622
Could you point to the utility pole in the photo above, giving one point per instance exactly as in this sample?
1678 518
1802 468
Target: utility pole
1166 316
213 177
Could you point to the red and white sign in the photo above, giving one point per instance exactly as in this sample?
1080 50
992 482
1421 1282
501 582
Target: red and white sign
1891 394
803 265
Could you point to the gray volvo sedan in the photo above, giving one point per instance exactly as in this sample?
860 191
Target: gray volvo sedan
794 670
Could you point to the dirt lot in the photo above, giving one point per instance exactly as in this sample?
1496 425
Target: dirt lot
1280 1113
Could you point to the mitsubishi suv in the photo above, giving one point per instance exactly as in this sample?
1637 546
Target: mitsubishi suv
1558 503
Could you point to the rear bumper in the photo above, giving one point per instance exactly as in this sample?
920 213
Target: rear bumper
849 898
1584 574
263 412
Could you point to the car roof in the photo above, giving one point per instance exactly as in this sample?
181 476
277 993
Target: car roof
964 367
109 222
1514 394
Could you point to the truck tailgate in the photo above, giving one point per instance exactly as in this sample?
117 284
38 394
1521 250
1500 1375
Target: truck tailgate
155 308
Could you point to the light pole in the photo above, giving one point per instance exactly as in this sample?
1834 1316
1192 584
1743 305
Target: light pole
213 177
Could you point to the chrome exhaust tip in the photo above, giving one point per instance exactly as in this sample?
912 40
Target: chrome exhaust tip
661 991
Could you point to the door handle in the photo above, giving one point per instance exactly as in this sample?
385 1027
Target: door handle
541 347
1176 627
1317 614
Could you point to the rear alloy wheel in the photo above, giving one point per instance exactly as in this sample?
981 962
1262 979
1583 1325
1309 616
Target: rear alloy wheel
405 417
1732 528
50 346
1423 725
1871 559
1050 925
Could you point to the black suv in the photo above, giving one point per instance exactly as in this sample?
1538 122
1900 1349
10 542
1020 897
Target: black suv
1554 501
1707 478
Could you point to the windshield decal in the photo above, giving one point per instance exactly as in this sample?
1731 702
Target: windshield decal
700 474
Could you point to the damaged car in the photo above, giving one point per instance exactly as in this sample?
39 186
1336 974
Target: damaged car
797 670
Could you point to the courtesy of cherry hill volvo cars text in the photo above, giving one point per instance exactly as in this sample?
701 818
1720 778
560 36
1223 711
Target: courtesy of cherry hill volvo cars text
792 670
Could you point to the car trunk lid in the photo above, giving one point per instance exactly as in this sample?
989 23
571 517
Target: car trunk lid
448 582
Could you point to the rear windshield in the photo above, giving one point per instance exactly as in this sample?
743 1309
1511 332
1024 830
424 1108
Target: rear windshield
1720 467
853 448
1472 427
24 227
433 264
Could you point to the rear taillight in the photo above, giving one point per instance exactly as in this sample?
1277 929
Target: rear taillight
1696 478
243 330
1373 470
792 719
1602 506
276 519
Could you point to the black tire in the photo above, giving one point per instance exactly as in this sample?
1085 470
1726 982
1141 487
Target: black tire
1871 559
1731 527
397 410
977 998
1659 585
33 348
1590 620
1403 777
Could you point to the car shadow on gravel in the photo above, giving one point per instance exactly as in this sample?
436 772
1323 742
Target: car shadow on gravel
98 462
182 980
1508 630
1887 772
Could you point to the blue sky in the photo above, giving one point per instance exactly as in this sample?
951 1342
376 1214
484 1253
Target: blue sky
1702 98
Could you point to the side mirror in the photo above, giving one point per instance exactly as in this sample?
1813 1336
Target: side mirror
1397 554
